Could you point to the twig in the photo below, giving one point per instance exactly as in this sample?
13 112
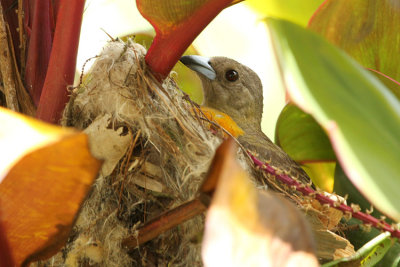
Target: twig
126 167
6 67
164 222
323 199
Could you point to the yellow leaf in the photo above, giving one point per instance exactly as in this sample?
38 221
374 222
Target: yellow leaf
322 174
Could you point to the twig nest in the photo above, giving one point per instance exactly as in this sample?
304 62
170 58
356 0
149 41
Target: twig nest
155 153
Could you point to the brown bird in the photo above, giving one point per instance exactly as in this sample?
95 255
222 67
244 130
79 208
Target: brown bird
236 90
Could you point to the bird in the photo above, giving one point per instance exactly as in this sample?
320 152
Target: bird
236 90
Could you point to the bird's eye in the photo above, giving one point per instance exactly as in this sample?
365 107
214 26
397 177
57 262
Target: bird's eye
231 75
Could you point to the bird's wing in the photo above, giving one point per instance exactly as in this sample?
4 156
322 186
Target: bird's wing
258 142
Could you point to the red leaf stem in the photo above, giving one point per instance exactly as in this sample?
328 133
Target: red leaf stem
61 70
168 47
323 199
41 26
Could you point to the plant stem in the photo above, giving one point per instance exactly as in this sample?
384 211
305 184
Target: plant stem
323 199
61 70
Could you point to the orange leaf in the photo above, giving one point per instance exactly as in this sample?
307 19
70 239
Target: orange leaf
41 194
248 227
224 120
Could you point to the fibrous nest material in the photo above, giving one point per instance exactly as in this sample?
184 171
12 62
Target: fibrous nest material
156 154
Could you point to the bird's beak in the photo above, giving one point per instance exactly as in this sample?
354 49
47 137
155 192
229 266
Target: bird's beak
199 64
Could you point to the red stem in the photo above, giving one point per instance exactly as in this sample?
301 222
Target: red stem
40 39
167 48
323 199
61 71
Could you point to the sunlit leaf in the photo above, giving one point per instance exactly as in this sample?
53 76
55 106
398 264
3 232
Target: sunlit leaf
244 226
366 30
322 174
298 11
20 135
369 254
361 117
41 193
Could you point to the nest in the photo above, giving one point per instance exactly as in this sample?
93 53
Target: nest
156 154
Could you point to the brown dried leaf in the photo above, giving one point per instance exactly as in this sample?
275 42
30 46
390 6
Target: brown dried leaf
329 217
330 246
248 227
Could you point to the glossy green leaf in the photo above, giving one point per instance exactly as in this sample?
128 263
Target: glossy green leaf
368 255
359 237
366 30
305 141
298 11
302 137
361 116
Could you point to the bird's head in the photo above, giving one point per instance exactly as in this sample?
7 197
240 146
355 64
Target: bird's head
230 87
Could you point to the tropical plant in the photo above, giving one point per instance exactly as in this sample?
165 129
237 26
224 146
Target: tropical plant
338 61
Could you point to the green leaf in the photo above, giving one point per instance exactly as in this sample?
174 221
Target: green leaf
368 255
390 83
359 237
302 137
343 186
305 141
294 10
366 30
322 174
360 115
